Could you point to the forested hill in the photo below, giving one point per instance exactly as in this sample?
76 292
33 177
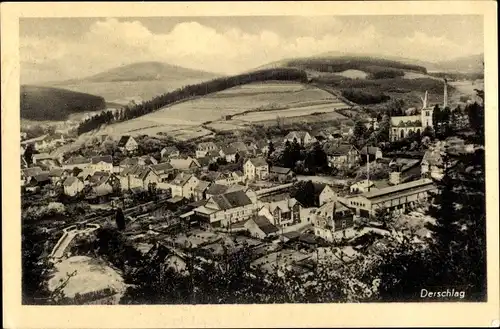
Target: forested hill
47 103
336 64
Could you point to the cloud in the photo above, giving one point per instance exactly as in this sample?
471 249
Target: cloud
110 42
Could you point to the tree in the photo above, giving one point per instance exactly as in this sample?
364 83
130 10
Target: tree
304 192
28 154
271 148
120 219
76 171
359 129
429 132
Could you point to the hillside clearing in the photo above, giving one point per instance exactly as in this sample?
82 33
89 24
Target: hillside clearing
268 100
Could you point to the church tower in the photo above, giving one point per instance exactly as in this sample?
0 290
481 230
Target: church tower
426 113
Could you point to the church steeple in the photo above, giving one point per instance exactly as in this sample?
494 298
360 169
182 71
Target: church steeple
424 101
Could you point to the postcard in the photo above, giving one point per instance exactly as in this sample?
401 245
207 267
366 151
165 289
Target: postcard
250 164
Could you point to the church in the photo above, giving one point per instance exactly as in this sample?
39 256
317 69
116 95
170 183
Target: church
404 126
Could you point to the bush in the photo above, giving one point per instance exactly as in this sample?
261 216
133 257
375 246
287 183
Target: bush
363 97
387 74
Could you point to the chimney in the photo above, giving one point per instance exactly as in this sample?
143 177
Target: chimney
367 169
395 177
445 96
425 100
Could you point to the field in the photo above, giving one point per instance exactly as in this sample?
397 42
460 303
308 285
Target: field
246 104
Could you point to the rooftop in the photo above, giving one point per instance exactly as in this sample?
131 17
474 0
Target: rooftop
397 188
232 200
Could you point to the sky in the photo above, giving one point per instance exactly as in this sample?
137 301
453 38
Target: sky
64 48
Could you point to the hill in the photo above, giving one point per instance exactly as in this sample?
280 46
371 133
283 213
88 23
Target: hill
55 104
143 80
145 71
467 64
370 79
336 64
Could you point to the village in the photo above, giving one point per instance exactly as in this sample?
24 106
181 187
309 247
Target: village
298 199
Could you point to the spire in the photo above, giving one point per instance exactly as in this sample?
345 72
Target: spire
424 100
445 96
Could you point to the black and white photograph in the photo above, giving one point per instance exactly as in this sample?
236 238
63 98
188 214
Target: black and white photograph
253 159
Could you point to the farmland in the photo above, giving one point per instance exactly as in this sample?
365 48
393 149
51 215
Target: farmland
246 104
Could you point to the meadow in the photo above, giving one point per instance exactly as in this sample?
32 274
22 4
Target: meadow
268 100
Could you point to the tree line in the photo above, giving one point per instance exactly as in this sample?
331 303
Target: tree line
186 92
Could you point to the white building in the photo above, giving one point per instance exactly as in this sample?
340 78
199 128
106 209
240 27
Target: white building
184 185
256 168
102 163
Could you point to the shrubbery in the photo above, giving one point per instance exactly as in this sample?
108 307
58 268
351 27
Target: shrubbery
363 97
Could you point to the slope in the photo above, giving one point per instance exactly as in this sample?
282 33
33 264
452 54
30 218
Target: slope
142 81
55 104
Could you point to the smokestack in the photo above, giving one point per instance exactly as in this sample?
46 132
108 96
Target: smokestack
445 96
367 169
425 100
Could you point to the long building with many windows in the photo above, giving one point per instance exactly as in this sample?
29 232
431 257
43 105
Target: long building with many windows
392 198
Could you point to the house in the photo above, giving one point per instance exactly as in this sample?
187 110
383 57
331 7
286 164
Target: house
105 184
226 209
404 169
362 186
323 136
57 174
230 178
256 168
281 174
77 162
346 131
127 144
164 170
342 155
37 181
200 190
102 163
184 164
301 137
239 147
28 173
228 153
183 185
170 152
148 160
216 189
395 198
260 227
372 152
334 221
72 186
40 157
263 147
203 148
138 177
323 194
204 162
282 213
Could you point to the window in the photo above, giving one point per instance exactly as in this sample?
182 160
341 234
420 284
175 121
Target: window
427 113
